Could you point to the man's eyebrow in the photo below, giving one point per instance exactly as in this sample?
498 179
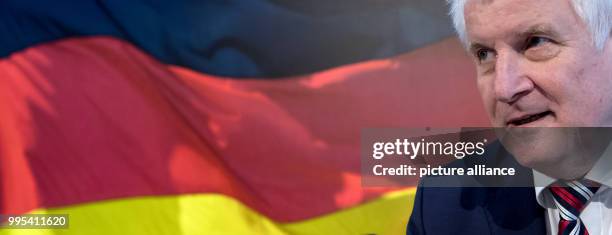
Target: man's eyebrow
539 29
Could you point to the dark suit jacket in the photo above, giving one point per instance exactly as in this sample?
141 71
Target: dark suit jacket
478 210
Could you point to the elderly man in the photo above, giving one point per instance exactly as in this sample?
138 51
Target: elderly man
539 63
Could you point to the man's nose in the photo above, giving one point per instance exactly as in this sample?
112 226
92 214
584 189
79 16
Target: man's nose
511 81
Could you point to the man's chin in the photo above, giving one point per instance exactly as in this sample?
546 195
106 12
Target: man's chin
535 147
555 151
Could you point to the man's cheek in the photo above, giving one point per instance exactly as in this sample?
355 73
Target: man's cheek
488 99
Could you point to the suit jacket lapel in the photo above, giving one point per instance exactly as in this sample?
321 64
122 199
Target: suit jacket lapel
512 209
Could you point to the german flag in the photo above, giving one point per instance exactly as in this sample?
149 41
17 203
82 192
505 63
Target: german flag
218 117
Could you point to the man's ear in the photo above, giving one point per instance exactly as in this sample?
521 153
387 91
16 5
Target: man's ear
608 45
607 52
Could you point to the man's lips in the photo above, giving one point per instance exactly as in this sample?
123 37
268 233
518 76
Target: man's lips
525 119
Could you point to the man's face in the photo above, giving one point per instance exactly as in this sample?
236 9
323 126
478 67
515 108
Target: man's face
538 67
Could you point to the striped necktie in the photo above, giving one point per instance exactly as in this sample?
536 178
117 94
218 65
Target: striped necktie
571 197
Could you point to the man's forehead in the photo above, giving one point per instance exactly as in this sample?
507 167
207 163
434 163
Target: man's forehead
494 19
510 5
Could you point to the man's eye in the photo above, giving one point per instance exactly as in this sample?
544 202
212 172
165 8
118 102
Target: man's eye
535 41
484 55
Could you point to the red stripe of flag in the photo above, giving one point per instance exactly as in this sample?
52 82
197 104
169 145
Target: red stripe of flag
95 118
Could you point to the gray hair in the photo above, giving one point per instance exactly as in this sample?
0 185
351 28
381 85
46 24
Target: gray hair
597 14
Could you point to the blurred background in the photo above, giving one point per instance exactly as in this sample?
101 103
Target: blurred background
218 117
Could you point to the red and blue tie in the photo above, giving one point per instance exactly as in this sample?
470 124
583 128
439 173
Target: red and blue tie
571 197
